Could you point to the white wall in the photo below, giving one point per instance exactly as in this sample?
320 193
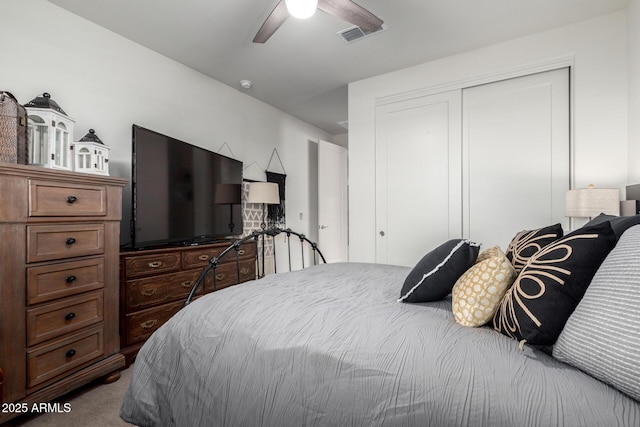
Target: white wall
633 28
598 51
108 83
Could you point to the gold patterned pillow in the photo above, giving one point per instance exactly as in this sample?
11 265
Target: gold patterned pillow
478 292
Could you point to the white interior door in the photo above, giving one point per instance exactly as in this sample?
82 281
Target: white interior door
333 232
516 165
418 176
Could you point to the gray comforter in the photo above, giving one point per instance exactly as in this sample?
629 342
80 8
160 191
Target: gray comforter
330 346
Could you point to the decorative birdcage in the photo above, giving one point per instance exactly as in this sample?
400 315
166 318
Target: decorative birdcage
50 133
91 155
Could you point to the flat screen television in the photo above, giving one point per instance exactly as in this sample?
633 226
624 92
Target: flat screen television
182 194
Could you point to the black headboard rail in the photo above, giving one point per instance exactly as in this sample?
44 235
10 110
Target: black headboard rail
255 235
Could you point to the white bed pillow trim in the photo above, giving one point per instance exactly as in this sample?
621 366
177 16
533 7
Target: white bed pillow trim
439 266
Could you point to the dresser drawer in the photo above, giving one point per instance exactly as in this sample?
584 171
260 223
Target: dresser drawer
50 198
136 266
142 324
195 258
57 358
150 291
52 281
49 242
248 250
227 274
67 315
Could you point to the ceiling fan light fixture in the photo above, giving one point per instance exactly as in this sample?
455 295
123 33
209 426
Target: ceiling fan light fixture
301 9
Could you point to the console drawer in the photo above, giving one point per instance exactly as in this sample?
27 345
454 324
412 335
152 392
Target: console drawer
150 291
68 315
50 198
227 274
49 361
52 281
136 266
195 258
49 242
142 324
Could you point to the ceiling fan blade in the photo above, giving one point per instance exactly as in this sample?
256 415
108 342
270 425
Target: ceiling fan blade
351 12
276 18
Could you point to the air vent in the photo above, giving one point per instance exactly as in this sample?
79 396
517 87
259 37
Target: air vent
356 33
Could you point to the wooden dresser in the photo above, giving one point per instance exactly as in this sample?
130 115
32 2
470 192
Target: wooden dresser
59 246
154 284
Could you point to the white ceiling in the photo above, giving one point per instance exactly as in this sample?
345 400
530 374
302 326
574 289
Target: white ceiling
304 68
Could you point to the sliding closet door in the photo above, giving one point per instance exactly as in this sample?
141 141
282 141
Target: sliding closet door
418 176
516 164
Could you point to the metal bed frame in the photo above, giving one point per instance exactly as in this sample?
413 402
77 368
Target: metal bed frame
235 247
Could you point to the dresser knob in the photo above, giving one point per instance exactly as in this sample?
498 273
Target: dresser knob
70 353
70 279
70 241
155 264
148 292
72 199
70 316
203 257
186 284
220 276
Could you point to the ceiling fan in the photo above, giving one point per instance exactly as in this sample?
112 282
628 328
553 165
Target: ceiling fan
343 9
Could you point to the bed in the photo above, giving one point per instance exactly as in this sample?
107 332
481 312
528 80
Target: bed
333 345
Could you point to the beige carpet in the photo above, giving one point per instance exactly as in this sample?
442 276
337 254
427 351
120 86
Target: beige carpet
95 404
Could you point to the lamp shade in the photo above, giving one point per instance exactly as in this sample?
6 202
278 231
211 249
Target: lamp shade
591 202
263 192
227 194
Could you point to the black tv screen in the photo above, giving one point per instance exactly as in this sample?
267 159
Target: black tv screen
182 194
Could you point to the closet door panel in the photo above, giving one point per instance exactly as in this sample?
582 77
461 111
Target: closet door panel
418 176
516 165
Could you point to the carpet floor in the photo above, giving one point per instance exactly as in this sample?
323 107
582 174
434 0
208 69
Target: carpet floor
95 404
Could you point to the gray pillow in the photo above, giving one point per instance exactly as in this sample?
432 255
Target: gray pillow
602 336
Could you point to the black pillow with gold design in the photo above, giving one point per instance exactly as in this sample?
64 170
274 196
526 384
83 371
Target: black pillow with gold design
552 284
527 242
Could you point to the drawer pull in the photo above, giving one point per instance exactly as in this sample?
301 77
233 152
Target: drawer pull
70 316
70 279
245 270
148 324
148 292
70 241
203 257
155 264
220 276
241 252
72 199
70 353
186 284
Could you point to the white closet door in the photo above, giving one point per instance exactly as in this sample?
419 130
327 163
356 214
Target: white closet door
516 164
418 176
